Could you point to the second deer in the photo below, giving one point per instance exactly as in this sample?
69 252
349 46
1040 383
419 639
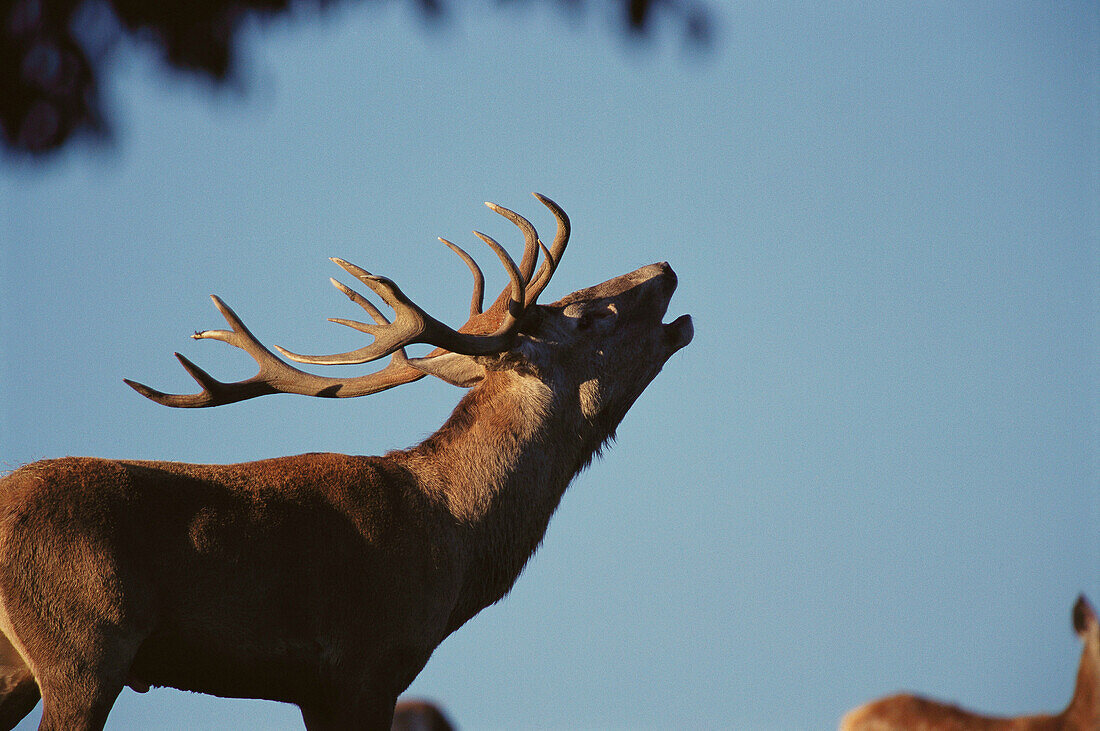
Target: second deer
913 713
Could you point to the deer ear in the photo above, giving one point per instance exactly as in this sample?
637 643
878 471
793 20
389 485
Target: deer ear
1083 615
455 369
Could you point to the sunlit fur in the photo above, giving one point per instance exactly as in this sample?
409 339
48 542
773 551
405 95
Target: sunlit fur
324 580
913 713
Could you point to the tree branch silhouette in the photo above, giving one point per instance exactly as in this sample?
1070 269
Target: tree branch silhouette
53 52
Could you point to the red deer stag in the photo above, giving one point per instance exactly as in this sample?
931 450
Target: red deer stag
913 713
324 580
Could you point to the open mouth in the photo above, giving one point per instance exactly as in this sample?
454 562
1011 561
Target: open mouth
680 331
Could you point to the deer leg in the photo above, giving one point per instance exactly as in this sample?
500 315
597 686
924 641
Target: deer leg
349 713
18 689
316 719
77 699
80 682
18 697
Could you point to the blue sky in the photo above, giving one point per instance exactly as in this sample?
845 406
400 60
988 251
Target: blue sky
876 467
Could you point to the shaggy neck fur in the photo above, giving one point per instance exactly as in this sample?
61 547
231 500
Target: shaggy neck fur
499 467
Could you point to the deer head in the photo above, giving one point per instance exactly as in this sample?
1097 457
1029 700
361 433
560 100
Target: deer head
604 343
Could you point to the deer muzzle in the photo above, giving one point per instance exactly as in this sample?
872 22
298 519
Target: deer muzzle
680 331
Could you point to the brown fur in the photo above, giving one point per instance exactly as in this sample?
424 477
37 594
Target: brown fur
324 580
913 713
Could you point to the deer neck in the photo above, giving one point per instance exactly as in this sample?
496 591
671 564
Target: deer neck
500 466
1084 707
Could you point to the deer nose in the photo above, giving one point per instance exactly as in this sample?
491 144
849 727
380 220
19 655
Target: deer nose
666 270
659 274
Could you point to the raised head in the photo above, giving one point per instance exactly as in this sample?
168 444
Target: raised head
574 345
604 343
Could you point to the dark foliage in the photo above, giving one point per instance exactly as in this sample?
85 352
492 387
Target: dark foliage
53 52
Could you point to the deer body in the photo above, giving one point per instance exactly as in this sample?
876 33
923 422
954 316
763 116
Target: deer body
242 560
913 713
323 580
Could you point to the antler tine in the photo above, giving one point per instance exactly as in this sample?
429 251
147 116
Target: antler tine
530 240
360 300
478 297
519 286
381 326
553 256
411 324
531 246
274 376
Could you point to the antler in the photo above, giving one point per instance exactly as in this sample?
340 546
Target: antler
275 375
413 325
486 332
